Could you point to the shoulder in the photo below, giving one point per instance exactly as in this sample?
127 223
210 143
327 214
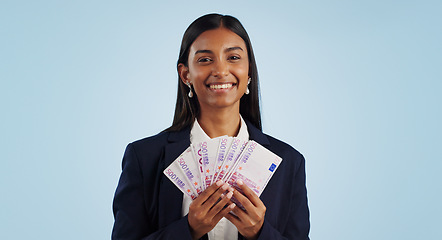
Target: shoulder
148 153
146 148
281 146
151 141
288 153
153 147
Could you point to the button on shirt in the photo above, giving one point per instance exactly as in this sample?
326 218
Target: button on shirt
224 230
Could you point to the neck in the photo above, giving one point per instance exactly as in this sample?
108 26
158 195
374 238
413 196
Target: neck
220 122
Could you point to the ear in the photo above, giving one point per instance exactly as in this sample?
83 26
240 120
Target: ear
183 72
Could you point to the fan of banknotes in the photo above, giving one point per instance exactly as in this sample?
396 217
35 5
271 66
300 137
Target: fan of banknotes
223 158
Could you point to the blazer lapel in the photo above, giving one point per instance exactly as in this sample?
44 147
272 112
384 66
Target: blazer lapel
170 197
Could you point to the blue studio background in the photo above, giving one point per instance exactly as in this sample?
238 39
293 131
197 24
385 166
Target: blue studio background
354 85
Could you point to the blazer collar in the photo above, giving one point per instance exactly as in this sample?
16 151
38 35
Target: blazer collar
180 135
256 134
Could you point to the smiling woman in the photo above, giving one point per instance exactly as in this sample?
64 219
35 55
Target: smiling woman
218 70
187 109
217 96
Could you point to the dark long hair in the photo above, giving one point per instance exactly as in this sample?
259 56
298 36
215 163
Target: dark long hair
187 109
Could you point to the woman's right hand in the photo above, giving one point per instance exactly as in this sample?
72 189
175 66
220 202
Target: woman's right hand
206 211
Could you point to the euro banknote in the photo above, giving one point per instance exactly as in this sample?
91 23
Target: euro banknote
223 158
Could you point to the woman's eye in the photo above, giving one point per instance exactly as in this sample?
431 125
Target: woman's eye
234 58
203 60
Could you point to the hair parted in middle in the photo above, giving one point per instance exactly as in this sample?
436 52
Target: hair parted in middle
187 109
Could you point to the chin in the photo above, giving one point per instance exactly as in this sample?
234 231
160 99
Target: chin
225 104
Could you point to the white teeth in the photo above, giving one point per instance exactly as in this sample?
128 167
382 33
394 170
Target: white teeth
221 86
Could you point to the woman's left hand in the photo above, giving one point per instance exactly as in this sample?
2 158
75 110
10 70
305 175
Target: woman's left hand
250 221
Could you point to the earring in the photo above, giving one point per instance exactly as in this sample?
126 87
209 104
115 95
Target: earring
247 90
190 90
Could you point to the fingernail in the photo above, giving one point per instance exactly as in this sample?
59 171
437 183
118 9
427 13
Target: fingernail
222 195
231 189
229 195
240 182
219 183
232 206
225 186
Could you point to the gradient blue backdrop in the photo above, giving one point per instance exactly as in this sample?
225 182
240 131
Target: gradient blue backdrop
354 85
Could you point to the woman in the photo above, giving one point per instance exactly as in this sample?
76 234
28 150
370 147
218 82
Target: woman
217 95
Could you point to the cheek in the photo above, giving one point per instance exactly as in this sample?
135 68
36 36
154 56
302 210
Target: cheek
242 69
198 74
242 73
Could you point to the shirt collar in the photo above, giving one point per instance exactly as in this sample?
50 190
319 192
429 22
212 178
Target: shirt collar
197 134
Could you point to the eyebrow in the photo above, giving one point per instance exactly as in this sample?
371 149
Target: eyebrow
203 51
227 50
233 49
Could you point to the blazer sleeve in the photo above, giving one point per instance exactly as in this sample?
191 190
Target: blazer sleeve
132 220
298 225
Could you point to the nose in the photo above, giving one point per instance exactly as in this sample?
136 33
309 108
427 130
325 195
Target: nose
220 69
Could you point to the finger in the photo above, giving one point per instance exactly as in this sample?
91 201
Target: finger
225 198
224 212
250 194
248 211
199 201
213 199
207 193
243 200
241 214
233 219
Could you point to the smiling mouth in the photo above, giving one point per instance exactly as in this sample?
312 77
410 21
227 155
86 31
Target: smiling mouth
221 86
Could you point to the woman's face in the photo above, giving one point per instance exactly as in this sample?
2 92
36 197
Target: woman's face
218 69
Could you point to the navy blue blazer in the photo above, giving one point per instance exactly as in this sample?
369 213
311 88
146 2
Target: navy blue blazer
148 206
